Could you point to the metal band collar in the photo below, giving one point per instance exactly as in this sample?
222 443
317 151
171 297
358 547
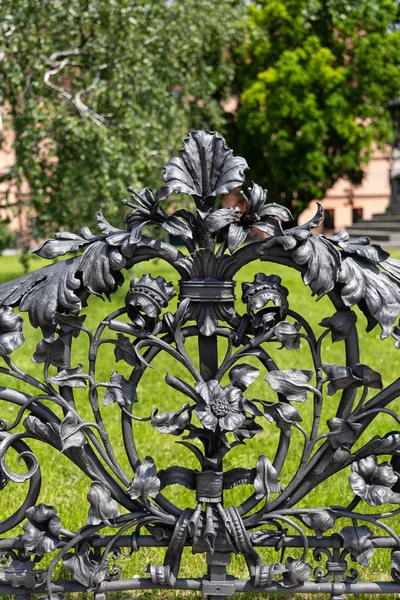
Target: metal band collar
207 290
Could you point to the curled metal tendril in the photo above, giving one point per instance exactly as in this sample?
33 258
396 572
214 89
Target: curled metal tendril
219 413
26 457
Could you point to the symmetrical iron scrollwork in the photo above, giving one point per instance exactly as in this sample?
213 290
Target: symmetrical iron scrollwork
313 546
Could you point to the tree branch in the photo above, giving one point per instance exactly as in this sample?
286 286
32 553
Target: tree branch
58 66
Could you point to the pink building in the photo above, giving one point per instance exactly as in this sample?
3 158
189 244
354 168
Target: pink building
346 204
13 198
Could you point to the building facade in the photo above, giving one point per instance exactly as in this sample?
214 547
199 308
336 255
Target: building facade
346 204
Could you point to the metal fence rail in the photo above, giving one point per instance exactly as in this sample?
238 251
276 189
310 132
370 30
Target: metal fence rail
315 549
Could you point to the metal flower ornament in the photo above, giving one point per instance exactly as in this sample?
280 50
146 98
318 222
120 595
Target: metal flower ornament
321 412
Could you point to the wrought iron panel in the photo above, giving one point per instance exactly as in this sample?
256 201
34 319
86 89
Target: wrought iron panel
319 549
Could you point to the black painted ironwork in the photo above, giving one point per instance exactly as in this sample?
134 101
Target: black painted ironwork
313 548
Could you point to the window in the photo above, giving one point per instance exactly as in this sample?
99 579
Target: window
329 218
357 214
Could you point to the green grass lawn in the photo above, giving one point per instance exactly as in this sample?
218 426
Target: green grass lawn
65 487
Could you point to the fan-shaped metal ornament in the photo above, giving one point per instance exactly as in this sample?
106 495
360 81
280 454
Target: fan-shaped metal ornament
311 549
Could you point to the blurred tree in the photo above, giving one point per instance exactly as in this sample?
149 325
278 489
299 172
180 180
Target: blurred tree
313 79
7 238
101 92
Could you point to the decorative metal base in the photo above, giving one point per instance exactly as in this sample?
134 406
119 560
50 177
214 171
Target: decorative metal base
313 546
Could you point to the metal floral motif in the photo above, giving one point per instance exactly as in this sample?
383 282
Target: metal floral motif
41 531
327 406
11 336
374 482
146 298
257 214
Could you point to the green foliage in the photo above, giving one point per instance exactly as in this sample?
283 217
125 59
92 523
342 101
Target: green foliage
25 259
124 81
314 77
7 239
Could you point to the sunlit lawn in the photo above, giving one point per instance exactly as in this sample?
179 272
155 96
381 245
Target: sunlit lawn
65 487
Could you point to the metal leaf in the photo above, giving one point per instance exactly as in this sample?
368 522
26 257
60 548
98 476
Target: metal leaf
297 570
340 324
100 266
45 514
105 227
292 383
343 433
268 210
357 540
176 226
373 482
315 221
146 481
340 377
120 390
102 506
20 574
222 218
171 422
323 264
41 530
320 521
368 376
376 292
52 351
10 341
70 436
205 168
38 541
247 430
125 350
288 334
251 407
44 292
361 247
69 377
11 324
63 243
266 480
243 375
284 415
236 236
84 568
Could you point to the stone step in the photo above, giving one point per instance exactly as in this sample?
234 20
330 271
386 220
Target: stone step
386 218
372 234
376 226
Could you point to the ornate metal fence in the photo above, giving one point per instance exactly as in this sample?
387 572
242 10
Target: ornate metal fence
313 548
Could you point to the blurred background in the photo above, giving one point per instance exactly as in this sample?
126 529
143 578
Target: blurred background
97 95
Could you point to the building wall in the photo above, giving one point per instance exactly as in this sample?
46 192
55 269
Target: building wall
12 196
372 196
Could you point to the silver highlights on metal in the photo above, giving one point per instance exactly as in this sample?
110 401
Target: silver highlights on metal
324 549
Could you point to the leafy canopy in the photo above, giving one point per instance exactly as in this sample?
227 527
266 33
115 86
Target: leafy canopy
100 93
314 77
